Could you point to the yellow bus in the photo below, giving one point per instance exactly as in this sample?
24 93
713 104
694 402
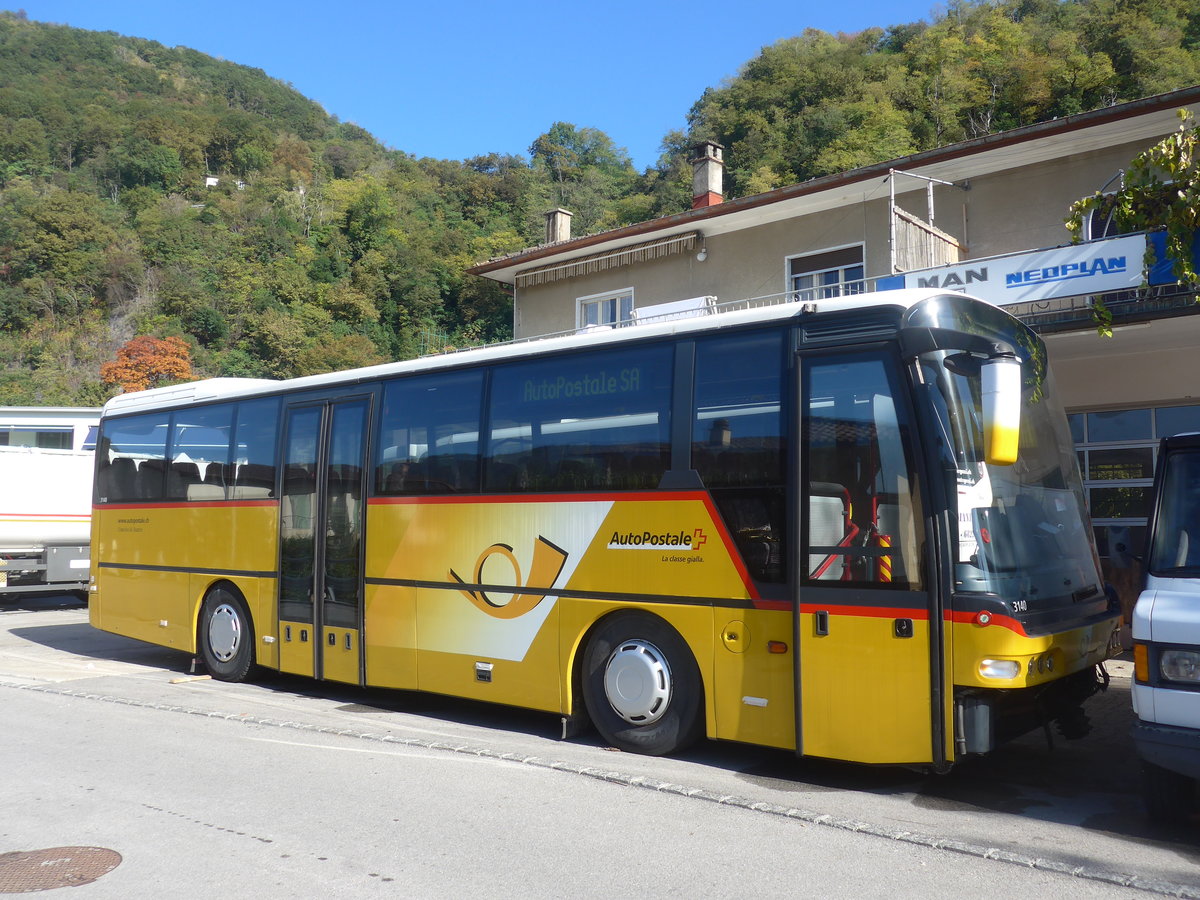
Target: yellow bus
852 528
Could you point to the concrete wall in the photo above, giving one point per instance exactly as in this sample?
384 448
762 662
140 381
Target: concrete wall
739 265
1148 364
1025 208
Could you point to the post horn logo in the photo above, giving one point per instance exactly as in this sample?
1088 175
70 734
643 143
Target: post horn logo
548 562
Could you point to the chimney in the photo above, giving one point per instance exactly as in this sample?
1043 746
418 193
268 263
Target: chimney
558 225
708 170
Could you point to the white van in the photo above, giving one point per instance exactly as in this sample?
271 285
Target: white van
1166 636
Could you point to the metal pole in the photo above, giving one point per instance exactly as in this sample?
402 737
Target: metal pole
892 219
929 202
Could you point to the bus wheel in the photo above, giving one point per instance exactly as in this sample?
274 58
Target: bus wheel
226 638
641 685
1169 796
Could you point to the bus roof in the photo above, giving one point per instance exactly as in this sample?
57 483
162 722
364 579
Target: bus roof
228 388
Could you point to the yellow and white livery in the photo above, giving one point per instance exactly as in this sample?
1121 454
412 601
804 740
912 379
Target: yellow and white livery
817 528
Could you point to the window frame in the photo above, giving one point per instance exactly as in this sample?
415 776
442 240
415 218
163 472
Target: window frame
821 291
582 303
502 427
909 571
398 466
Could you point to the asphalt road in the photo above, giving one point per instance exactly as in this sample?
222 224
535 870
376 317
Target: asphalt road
288 787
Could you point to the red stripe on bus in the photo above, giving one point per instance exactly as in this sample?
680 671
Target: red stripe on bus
867 612
536 498
186 504
963 617
884 612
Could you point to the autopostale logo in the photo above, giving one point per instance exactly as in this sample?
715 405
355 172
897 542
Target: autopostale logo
680 541
548 562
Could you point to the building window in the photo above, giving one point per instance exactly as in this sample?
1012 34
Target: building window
834 273
1116 450
46 437
614 308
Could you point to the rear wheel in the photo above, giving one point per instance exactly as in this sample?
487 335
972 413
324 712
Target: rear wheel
226 637
642 686
1169 796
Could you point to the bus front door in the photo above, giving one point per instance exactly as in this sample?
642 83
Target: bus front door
866 633
321 518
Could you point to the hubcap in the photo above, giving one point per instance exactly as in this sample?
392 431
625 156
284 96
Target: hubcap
637 682
224 632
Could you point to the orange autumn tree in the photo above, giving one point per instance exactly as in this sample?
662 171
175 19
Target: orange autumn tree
146 362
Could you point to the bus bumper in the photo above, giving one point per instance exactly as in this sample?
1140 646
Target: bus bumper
985 719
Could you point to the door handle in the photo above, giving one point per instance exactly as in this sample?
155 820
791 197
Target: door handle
821 623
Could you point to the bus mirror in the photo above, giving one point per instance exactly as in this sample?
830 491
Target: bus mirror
964 364
1001 409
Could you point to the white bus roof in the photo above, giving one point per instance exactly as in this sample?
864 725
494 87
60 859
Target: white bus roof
229 388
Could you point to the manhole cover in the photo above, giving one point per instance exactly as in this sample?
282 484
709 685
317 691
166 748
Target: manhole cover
44 870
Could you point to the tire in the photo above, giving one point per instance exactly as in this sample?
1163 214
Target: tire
1169 796
226 636
641 685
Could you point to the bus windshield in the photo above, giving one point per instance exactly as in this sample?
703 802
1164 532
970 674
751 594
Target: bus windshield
1022 529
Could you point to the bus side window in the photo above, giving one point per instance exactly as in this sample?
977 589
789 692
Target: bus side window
739 444
252 463
199 442
128 445
429 435
591 421
855 437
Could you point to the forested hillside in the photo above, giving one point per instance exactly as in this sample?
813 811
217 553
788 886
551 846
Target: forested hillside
318 248
818 104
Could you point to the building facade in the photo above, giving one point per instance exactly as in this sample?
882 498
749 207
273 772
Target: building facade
985 216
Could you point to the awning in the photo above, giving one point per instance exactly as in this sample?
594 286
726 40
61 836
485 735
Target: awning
600 262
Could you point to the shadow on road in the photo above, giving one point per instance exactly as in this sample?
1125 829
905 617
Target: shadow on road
36 602
1091 782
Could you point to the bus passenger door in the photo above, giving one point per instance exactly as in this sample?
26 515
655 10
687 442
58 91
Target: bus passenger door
321 519
866 632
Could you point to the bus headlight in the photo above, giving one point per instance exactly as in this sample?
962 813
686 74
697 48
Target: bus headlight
999 668
1180 665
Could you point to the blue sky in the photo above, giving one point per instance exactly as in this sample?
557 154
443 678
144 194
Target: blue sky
460 78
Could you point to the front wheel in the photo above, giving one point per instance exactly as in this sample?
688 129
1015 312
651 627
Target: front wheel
642 686
226 637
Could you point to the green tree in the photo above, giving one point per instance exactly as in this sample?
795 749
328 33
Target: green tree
582 170
23 148
1161 189
62 237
